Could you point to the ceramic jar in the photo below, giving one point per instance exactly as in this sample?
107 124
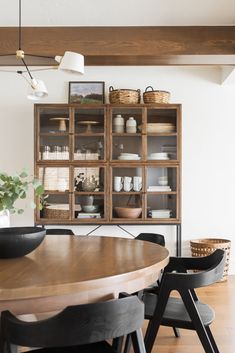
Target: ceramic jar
118 124
131 125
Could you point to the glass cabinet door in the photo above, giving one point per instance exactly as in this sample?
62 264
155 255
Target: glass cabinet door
127 196
162 133
126 137
89 195
162 191
53 127
55 202
89 134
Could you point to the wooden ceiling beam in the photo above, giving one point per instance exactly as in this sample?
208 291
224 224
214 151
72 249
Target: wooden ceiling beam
190 45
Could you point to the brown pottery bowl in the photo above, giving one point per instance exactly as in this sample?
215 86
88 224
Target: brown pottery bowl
128 212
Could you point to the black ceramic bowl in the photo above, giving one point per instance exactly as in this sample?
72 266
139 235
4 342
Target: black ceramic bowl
19 241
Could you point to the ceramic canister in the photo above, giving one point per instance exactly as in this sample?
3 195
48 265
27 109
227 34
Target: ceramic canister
131 125
118 123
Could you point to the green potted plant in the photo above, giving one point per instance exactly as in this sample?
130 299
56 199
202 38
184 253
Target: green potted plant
17 241
14 187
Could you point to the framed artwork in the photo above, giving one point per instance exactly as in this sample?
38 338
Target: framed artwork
86 92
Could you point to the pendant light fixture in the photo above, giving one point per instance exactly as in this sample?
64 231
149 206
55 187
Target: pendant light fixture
69 62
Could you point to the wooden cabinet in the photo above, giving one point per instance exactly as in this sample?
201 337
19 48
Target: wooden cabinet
81 157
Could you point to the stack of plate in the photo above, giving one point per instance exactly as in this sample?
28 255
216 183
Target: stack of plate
160 127
161 213
128 156
158 155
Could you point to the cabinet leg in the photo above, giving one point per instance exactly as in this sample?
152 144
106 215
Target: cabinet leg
178 240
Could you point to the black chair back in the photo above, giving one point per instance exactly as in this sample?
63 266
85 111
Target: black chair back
152 237
60 231
77 325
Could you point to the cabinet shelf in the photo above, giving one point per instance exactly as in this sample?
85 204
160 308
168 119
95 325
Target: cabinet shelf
51 134
99 139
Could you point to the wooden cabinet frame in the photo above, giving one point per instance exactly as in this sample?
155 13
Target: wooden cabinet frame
109 164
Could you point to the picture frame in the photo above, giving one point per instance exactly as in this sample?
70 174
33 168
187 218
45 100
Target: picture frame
86 92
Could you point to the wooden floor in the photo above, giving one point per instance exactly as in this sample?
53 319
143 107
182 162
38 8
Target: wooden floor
221 296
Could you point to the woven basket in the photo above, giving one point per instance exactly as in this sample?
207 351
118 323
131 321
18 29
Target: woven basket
124 96
155 96
204 247
52 213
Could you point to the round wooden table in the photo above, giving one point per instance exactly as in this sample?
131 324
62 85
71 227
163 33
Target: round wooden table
67 270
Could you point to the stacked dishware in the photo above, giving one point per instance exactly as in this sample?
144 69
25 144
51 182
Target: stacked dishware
170 150
160 127
165 213
128 156
158 155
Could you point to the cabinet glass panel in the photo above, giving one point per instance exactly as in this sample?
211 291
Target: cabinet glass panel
161 121
89 148
89 121
89 179
55 206
161 179
89 207
54 178
127 206
120 116
126 179
162 148
54 148
127 148
161 206
53 120
53 134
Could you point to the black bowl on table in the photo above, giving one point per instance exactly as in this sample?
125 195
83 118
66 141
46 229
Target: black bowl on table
19 241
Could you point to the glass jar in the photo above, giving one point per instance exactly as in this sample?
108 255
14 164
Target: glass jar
46 152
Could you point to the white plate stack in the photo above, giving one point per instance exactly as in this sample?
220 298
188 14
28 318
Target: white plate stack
128 156
158 155
165 213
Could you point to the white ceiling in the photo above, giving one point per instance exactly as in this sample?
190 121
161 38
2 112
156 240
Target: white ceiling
118 12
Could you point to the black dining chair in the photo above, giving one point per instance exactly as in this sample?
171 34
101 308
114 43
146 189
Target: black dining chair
187 311
160 240
152 237
59 231
81 328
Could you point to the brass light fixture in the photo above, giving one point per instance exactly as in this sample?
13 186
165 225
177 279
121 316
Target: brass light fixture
70 62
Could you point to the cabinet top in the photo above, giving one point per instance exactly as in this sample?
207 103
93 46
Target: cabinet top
94 106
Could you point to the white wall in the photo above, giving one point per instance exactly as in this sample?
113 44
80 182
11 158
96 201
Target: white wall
208 172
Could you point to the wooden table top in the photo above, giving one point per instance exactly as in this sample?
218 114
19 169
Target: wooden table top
66 270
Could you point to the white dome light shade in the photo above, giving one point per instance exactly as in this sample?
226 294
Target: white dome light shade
38 90
72 62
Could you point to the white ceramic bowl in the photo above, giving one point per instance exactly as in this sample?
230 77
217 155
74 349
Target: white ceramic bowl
90 208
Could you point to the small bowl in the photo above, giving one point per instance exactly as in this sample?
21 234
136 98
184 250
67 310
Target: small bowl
90 208
128 212
162 182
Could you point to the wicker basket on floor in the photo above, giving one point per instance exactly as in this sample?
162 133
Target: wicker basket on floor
204 247
155 96
124 96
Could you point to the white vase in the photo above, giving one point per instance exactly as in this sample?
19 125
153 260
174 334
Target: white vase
4 219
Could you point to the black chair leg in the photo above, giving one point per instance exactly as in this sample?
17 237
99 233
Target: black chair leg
208 330
176 332
127 347
117 344
198 324
138 342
